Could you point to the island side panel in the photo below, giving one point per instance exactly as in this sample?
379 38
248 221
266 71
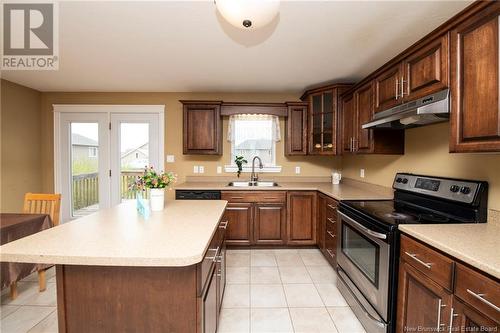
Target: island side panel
126 299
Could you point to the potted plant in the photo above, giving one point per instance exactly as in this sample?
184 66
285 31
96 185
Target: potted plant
156 182
239 160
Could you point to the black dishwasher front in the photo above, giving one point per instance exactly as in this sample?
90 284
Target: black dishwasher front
197 195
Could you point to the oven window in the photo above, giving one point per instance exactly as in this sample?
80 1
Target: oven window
362 252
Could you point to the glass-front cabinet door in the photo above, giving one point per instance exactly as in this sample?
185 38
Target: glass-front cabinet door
322 120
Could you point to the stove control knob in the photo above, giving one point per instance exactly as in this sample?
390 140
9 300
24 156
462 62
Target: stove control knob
454 188
399 180
465 190
405 180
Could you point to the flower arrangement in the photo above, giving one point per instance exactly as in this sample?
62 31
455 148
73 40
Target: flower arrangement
153 180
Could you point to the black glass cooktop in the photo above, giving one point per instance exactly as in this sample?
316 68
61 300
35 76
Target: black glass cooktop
394 213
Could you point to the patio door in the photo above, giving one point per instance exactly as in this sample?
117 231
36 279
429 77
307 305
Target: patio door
98 155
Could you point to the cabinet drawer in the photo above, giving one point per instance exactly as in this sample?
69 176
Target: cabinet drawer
478 290
254 196
211 256
433 264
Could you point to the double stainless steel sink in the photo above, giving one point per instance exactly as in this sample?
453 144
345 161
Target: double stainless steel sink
253 184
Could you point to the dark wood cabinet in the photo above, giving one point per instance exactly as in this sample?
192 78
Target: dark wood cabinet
210 310
240 223
301 217
323 123
387 86
296 129
255 217
475 111
202 128
270 223
358 109
327 228
426 71
436 291
321 224
422 303
466 318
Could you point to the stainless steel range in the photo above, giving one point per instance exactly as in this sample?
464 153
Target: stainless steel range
368 246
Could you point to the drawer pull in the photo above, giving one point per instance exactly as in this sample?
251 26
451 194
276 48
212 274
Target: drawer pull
331 206
330 252
330 233
236 198
270 198
414 257
482 299
215 257
223 225
332 221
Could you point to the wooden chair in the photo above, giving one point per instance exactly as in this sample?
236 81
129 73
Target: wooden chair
35 203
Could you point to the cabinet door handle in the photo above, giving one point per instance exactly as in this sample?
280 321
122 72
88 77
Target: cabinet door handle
452 315
330 233
440 306
332 221
397 89
481 298
402 87
223 224
330 252
215 256
414 257
331 206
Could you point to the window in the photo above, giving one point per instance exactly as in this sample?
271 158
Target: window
92 151
254 135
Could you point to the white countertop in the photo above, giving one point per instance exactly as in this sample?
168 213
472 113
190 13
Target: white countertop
474 244
346 190
177 236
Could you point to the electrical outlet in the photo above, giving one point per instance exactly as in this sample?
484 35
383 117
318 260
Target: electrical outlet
196 169
362 173
170 158
297 170
201 169
219 169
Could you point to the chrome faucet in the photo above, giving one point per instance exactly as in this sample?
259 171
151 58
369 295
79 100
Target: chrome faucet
254 178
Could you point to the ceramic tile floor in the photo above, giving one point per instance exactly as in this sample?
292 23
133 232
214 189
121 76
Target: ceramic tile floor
267 291
283 291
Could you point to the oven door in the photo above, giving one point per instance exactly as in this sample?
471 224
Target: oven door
363 254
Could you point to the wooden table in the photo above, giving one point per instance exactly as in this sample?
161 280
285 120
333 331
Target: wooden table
16 226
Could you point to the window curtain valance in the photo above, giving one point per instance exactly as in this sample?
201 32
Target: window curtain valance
276 132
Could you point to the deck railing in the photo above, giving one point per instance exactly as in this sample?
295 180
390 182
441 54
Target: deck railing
85 188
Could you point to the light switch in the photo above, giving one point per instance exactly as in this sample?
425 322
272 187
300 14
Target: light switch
219 169
297 170
362 173
196 169
201 169
170 158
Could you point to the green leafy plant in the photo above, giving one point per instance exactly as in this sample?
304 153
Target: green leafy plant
153 179
239 160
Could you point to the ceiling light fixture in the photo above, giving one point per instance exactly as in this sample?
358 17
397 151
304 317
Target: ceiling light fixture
248 14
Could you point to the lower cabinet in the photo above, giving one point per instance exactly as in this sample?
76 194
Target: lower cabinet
240 223
301 217
327 228
210 310
269 223
465 300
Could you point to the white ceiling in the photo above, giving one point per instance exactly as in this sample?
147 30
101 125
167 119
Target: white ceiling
186 46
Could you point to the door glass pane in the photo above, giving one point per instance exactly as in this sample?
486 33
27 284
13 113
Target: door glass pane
134 155
328 102
362 252
84 168
316 104
327 122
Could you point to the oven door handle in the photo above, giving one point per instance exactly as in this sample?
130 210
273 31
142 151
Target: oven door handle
362 227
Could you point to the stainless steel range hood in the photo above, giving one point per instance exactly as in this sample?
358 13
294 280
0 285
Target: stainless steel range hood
426 110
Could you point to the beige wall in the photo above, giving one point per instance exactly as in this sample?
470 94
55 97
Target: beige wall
183 166
20 144
426 152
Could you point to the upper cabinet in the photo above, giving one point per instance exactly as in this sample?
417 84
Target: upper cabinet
296 129
324 104
202 128
423 72
475 112
358 109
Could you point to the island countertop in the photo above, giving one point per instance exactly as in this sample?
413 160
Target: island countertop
177 236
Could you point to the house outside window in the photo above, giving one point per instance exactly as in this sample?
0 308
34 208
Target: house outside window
93 152
254 135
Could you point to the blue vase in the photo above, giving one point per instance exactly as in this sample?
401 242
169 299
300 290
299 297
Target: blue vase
142 205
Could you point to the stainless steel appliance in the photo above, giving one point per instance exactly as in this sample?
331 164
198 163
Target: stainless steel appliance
426 110
368 245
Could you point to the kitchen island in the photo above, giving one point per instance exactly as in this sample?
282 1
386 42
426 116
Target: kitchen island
117 272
